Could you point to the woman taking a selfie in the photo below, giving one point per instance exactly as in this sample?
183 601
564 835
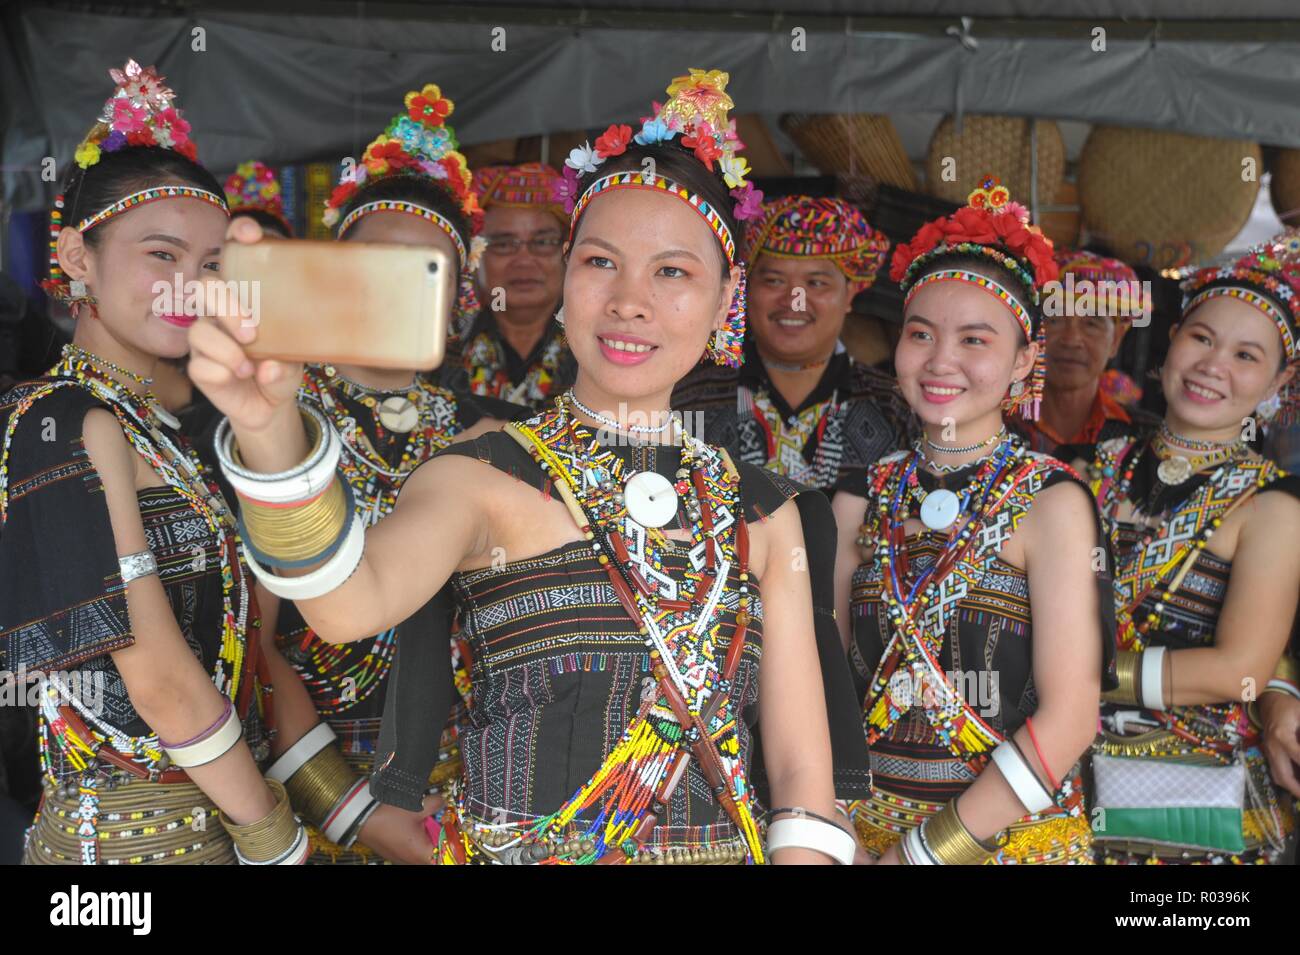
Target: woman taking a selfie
389 422
965 581
616 588
122 582
1207 576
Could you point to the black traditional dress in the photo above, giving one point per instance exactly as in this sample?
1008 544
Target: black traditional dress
560 673
1160 806
63 611
937 700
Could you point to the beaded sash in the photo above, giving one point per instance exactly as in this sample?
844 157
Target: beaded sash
688 710
485 360
785 444
1179 539
919 630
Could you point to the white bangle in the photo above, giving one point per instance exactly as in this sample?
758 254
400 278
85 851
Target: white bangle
913 849
297 755
296 854
301 483
323 579
1283 686
1153 678
209 748
804 833
348 811
1033 795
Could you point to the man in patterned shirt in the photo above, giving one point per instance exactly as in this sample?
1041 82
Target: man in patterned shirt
799 404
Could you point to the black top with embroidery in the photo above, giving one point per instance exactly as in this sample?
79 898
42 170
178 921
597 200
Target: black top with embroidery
851 418
559 668
63 605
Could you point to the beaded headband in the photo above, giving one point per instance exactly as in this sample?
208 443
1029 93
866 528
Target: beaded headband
796 227
140 113
994 288
1267 277
726 347
696 112
992 227
252 187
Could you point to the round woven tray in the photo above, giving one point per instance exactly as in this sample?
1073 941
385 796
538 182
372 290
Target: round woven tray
1165 199
1285 187
852 144
998 145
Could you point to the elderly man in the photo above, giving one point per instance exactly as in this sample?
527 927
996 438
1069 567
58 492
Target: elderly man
514 349
1095 306
799 404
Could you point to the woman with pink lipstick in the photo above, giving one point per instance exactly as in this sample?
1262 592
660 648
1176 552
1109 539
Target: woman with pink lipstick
120 559
618 579
965 585
1207 573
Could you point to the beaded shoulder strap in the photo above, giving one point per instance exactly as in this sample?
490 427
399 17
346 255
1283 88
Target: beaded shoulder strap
687 709
912 654
1174 547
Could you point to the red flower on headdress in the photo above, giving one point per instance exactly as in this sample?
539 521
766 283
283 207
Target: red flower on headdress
140 137
613 142
188 150
341 194
428 106
702 142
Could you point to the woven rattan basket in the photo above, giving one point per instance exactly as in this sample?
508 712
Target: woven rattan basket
1285 188
854 144
1165 199
998 145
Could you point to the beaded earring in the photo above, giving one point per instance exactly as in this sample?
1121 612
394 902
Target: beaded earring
726 345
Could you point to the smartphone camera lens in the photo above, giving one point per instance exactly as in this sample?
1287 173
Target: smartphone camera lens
433 268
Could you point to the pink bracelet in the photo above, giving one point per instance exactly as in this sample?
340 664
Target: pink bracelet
1056 785
221 720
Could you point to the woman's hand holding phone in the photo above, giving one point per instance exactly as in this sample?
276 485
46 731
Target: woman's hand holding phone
258 396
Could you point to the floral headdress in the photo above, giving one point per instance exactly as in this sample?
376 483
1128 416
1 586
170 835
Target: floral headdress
1267 277
252 187
993 227
696 116
140 113
819 228
419 143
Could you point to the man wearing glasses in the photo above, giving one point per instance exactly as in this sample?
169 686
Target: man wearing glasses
514 349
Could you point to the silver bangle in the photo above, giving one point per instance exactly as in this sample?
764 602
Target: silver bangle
133 566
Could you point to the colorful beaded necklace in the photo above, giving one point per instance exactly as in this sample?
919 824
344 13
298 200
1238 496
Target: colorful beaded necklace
692 709
994 502
339 676
1178 539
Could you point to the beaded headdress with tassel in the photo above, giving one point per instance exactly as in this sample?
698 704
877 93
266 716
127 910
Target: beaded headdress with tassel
418 143
992 227
696 117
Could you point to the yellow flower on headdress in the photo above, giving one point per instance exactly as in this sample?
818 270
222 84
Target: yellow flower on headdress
462 166
699 96
87 155
734 170
428 106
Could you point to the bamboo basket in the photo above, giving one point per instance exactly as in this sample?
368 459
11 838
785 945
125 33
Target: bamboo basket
852 144
995 145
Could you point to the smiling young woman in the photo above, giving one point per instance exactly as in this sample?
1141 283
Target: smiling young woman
617 589
965 582
1206 583
120 556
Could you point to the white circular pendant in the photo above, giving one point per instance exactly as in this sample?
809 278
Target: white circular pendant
1174 470
398 414
651 499
939 509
